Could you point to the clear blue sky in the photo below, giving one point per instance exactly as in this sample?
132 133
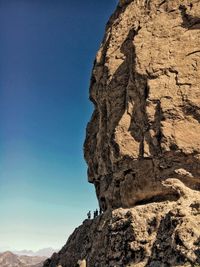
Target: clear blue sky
47 48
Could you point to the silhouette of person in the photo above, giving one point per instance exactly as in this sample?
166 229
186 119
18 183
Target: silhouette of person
89 215
96 212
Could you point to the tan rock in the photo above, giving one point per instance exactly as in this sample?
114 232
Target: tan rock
82 263
143 141
154 234
146 98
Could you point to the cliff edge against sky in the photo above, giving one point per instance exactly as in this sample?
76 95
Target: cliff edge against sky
143 144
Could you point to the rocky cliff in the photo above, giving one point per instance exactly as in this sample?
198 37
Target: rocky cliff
143 144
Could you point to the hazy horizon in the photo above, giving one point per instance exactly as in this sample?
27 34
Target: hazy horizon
47 51
26 251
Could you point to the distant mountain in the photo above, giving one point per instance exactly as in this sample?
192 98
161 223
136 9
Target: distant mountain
23 252
45 252
9 259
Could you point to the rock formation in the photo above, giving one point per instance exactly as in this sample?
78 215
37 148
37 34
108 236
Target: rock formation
145 89
143 141
9 259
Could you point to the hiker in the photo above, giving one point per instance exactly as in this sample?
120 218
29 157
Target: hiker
95 215
89 215
97 212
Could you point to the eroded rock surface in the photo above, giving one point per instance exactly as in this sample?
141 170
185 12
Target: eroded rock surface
143 141
145 89
152 235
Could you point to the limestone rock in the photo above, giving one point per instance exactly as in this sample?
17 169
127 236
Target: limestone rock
152 235
145 90
142 144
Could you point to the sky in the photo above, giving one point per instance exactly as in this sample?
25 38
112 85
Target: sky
47 49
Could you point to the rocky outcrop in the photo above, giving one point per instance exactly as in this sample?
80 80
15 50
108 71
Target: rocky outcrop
145 89
152 235
143 144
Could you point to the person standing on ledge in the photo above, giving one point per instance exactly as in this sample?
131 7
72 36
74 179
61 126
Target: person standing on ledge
89 215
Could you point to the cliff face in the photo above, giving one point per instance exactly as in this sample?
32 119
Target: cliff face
143 144
159 234
145 89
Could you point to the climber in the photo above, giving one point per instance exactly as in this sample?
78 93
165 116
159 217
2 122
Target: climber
97 213
89 215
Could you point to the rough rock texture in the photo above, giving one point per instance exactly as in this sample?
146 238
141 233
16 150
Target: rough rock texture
143 141
153 235
145 89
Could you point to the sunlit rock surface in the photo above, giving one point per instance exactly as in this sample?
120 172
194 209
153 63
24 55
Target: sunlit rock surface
143 140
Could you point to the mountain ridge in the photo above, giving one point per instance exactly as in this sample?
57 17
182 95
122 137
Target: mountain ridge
45 252
9 259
